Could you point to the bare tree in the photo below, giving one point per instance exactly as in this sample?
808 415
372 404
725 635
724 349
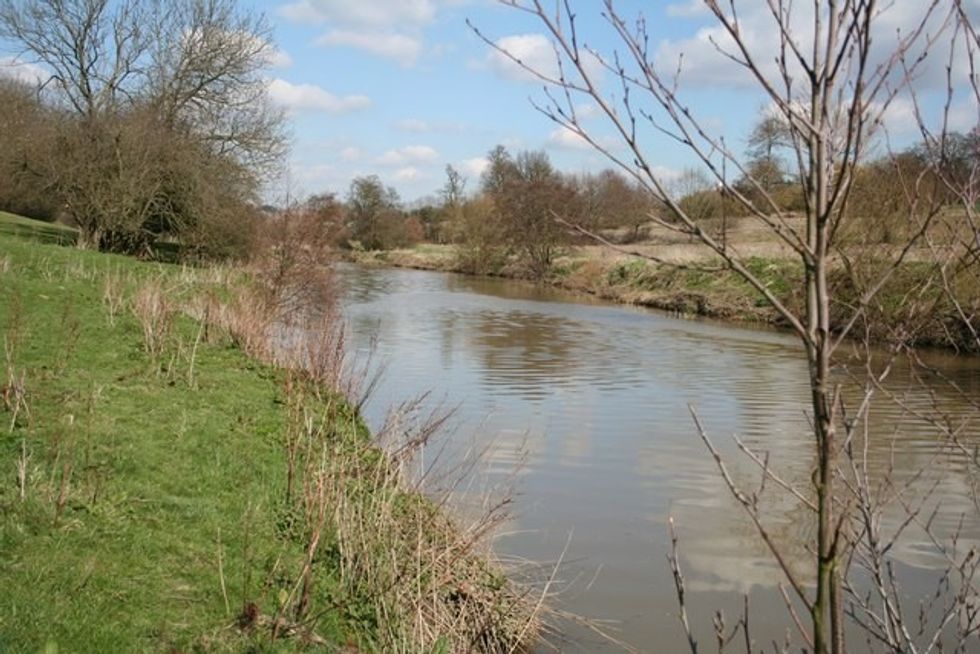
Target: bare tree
454 189
831 89
95 52
609 201
210 81
526 190
373 214
449 215
163 121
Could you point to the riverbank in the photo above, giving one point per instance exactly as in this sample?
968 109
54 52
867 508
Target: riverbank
614 278
170 486
718 294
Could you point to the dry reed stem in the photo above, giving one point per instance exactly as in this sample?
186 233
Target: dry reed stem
14 390
429 579
112 296
193 358
155 313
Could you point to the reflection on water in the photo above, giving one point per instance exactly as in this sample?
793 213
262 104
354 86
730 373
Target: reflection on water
600 395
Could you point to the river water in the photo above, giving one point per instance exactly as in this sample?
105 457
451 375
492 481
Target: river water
593 399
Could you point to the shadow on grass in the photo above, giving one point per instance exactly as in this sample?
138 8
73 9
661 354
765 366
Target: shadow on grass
58 234
49 233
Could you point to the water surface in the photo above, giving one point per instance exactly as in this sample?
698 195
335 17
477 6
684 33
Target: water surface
597 397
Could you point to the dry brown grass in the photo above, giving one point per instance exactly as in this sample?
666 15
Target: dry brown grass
429 582
14 390
155 313
113 297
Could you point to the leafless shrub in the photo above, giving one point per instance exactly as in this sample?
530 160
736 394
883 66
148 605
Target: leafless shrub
243 319
291 262
479 237
155 313
159 120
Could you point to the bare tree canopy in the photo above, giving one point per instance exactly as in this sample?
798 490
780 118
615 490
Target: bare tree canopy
95 52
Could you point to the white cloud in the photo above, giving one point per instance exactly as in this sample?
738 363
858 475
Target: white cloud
665 174
408 154
387 28
418 126
273 56
408 174
30 73
702 64
688 9
280 59
403 49
964 116
363 13
308 97
473 167
351 153
899 118
587 110
316 176
534 51
564 138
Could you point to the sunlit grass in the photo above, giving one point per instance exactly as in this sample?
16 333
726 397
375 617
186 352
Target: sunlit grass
144 466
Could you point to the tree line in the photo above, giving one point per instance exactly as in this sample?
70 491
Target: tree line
153 125
525 211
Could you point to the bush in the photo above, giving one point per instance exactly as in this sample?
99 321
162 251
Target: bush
711 204
479 237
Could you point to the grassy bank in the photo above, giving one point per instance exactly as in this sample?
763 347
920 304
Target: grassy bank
165 490
910 306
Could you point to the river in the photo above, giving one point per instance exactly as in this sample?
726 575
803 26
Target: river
593 399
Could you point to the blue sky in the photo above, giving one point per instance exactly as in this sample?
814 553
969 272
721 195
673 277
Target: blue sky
401 88
412 88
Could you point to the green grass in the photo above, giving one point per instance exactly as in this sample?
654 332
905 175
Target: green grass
143 501
13 225
164 478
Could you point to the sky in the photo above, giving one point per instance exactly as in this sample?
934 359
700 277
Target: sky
401 88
